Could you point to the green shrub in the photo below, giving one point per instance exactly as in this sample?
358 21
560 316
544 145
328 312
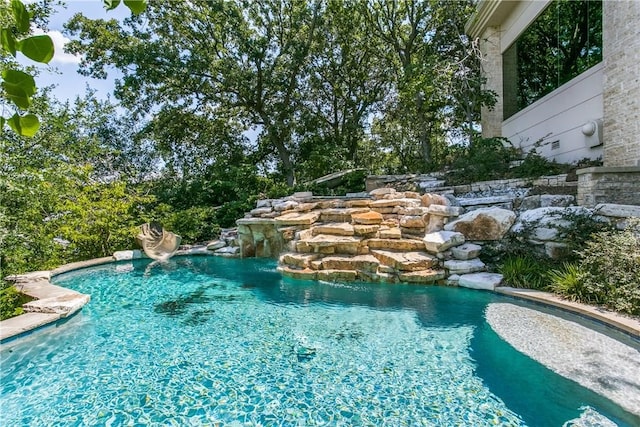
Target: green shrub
525 272
227 214
568 281
195 224
534 165
578 231
486 159
10 301
611 263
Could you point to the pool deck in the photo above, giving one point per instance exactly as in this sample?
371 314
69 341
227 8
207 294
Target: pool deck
53 303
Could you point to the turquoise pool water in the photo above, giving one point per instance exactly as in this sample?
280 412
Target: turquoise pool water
211 341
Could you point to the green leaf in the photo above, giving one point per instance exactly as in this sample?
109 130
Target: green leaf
20 79
110 4
18 87
8 41
21 16
16 95
37 48
136 6
26 125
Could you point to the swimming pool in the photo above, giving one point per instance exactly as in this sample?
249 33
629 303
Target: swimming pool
213 341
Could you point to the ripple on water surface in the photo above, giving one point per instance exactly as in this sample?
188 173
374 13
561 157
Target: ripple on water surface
195 343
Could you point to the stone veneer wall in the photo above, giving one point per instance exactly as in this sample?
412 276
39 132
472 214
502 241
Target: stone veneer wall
491 118
621 46
608 185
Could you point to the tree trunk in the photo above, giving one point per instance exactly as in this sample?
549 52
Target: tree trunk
285 158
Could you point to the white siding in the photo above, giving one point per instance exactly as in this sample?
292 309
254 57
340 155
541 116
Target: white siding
559 116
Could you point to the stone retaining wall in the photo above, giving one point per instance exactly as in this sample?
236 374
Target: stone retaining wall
608 185
434 183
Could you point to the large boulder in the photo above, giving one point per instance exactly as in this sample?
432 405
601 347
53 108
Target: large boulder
486 281
483 223
440 241
617 211
466 251
456 266
545 224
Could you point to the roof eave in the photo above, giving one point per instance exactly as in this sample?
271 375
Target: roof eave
488 13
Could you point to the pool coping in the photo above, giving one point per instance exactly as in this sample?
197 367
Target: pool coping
53 303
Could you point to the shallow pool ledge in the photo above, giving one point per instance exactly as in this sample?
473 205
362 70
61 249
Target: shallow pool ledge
627 324
51 302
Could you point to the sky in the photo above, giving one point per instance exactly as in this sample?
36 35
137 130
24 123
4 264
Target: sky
62 71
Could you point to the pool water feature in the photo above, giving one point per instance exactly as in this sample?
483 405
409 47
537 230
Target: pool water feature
212 341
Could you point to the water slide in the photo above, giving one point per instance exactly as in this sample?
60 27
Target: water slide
158 243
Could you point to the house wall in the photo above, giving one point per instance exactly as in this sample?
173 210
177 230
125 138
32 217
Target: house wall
621 46
522 14
609 91
557 119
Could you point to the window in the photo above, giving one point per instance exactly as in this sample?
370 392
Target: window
563 42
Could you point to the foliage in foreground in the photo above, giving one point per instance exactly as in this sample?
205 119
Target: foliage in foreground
607 271
526 266
601 265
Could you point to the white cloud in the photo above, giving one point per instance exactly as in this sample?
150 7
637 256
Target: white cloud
59 40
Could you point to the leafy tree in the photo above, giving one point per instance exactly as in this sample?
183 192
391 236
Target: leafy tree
307 78
61 200
347 83
438 89
238 60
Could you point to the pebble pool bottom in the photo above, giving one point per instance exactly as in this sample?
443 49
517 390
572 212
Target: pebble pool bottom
212 341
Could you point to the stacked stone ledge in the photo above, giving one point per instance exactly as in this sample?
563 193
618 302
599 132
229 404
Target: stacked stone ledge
382 236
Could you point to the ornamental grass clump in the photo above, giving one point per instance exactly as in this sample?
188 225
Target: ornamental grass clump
568 281
524 271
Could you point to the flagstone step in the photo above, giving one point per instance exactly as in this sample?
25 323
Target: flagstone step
300 274
334 228
341 214
298 260
396 244
406 261
328 244
360 262
337 275
423 276
298 218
